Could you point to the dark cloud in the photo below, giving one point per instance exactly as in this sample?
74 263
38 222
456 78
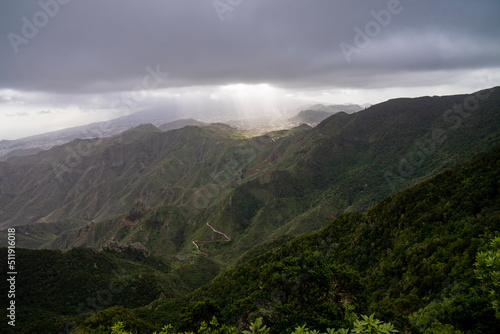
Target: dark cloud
92 46
91 60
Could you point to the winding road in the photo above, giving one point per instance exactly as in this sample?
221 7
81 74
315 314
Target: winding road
198 248
194 242
224 234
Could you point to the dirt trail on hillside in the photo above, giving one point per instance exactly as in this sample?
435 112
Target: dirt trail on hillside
224 234
194 242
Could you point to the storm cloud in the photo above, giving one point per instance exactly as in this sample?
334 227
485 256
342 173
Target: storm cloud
61 49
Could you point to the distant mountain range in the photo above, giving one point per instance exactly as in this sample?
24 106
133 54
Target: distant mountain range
35 144
165 120
334 108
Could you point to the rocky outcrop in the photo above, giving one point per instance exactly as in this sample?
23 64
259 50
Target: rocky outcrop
136 247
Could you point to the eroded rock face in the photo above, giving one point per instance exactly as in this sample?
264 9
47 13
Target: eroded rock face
138 247
113 246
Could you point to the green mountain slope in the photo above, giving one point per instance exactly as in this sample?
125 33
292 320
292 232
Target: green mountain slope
409 259
251 189
96 179
54 290
310 116
349 163
180 124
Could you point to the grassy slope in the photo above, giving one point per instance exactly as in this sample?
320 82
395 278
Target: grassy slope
156 167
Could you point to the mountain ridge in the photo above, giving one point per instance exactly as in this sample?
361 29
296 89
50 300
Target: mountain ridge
409 256
287 182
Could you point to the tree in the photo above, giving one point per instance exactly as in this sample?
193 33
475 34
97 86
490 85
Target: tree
118 328
257 328
488 272
367 324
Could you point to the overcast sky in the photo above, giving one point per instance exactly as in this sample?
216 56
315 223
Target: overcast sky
70 62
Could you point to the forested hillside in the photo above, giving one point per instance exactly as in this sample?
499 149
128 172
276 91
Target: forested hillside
409 259
56 290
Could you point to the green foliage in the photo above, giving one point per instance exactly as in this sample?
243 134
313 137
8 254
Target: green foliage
439 328
244 205
257 327
213 327
118 328
66 287
426 316
301 330
370 325
488 272
137 210
203 312
165 330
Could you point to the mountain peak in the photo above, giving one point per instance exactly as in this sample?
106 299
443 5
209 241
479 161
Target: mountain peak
139 131
180 123
142 128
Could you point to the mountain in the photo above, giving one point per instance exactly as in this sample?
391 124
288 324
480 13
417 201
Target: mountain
280 214
252 189
94 179
310 116
65 287
20 152
168 118
409 259
180 123
313 114
334 108
34 144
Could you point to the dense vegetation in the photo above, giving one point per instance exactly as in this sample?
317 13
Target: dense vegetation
364 325
410 260
55 289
